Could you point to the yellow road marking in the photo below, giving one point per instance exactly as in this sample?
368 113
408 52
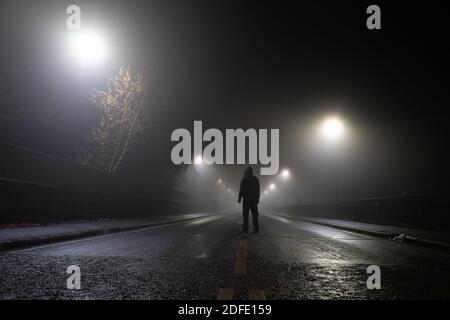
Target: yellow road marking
225 294
241 263
256 294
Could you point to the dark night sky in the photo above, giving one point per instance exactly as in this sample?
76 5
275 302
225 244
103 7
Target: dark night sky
256 64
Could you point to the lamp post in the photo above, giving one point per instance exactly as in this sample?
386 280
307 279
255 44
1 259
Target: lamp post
332 130
285 175
87 49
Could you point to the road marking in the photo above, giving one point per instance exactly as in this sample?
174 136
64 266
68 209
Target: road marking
256 294
241 263
225 294
201 220
203 255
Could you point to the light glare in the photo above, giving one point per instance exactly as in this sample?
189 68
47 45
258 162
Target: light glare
285 173
332 128
87 47
198 160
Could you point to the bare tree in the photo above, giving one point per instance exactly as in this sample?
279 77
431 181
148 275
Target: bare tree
123 106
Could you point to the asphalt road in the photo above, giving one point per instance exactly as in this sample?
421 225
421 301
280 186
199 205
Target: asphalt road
208 258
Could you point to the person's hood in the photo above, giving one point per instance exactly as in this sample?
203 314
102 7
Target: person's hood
248 172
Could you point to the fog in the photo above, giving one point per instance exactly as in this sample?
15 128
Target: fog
233 66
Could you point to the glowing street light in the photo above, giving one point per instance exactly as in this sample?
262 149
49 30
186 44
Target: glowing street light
332 128
198 160
87 47
285 173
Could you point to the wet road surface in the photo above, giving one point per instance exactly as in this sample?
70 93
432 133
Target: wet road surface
208 258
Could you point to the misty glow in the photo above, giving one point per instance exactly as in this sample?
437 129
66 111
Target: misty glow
87 47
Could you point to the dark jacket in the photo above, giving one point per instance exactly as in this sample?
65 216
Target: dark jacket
249 189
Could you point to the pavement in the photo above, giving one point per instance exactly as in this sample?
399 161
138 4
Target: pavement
208 258
21 237
429 238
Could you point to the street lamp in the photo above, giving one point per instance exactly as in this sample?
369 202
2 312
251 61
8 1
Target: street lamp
198 160
87 47
332 130
285 174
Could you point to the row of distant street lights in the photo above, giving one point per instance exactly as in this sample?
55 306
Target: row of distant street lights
221 183
331 129
284 175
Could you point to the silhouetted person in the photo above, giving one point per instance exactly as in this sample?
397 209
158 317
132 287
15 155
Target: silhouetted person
249 191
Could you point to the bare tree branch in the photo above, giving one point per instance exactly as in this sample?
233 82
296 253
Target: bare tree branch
122 105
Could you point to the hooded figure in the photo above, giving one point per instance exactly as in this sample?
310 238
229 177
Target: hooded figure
249 191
